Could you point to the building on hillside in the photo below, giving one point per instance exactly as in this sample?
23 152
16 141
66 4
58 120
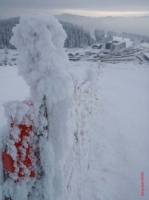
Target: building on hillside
115 45
108 45
118 45
96 46
74 57
146 56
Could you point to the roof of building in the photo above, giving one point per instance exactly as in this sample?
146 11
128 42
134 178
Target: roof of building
109 42
147 55
119 42
96 45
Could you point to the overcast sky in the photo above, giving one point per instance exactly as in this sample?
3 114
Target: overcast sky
11 8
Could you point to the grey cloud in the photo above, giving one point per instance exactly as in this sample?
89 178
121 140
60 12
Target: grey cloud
109 5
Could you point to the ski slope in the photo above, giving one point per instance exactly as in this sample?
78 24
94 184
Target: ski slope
120 141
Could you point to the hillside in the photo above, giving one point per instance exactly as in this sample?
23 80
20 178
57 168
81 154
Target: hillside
76 35
136 25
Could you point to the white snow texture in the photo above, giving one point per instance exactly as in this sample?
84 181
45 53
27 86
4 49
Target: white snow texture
62 114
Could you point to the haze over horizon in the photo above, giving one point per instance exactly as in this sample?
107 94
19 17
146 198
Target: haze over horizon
94 8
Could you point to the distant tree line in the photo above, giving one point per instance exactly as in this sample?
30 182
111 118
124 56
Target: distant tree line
76 36
99 35
102 37
134 37
6 32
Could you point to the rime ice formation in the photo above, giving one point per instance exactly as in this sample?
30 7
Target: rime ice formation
63 107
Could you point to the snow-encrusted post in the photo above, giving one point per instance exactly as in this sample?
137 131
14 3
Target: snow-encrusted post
43 63
58 125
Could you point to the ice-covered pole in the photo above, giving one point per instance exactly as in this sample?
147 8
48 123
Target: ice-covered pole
44 65
42 60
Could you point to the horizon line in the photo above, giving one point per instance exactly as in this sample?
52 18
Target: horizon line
84 13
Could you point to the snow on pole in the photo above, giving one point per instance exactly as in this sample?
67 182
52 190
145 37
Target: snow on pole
20 141
44 65
42 60
61 115
84 96
18 156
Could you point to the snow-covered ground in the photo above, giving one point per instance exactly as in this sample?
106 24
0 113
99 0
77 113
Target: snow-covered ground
145 45
120 141
120 147
12 87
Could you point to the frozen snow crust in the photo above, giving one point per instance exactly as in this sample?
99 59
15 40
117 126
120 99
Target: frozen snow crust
43 62
62 111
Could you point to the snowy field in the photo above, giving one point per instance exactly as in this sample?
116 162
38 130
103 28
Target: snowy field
120 141
12 87
120 147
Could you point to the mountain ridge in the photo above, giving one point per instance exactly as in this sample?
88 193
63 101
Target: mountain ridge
133 24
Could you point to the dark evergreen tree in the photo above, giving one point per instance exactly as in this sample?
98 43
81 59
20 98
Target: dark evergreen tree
99 35
76 36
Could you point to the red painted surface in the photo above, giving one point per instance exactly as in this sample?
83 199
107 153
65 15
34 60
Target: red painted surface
8 163
28 158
